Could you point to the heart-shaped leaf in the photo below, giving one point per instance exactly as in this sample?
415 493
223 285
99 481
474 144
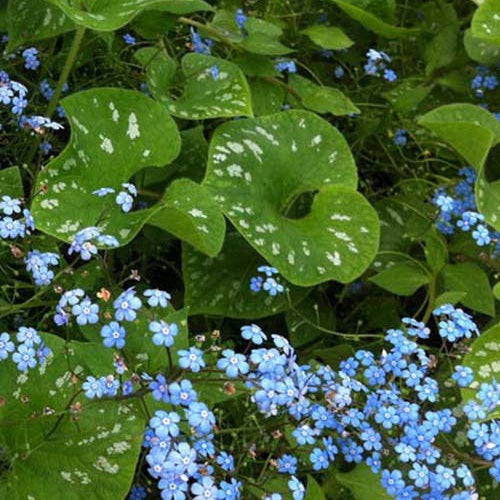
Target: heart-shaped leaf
259 168
328 37
262 37
372 22
221 285
403 278
109 15
70 451
486 22
483 358
208 93
363 483
190 213
115 133
31 20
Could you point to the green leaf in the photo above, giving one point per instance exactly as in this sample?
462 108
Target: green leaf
486 22
316 309
267 98
206 96
448 298
160 70
372 22
403 278
470 278
262 38
436 251
496 291
470 129
97 447
328 37
265 172
483 357
408 95
314 491
320 98
442 22
189 212
221 285
363 483
109 15
11 183
481 50
115 133
256 65
31 20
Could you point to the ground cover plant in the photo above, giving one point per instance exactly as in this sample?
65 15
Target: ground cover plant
249 249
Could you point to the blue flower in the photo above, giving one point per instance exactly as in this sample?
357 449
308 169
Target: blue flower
157 297
205 489
287 464
182 393
124 200
86 312
273 287
165 423
229 491
482 235
392 481
283 65
6 346
191 359
103 191
30 58
137 493
400 138
199 45
319 459
200 417
126 305
297 488
10 228
214 71
241 19
339 72
253 333
24 357
464 376
93 388
164 333
183 459
129 39
10 205
234 364
113 335
225 460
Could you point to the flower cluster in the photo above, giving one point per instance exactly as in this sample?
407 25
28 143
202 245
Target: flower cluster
376 409
129 39
268 282
16 222
287 65
484 80
14 94
39 263
241 19
376 65
401 137
124 199
457 209
200 45
84 242
27 351
30 56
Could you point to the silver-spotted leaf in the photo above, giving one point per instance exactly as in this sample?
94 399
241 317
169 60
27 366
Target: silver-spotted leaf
190 213
486 22
95 448
260 170
484 359
221 285
109 15
480 50
114 134
31 20
210 93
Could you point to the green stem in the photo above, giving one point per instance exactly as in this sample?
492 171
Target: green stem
430 300
63 77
